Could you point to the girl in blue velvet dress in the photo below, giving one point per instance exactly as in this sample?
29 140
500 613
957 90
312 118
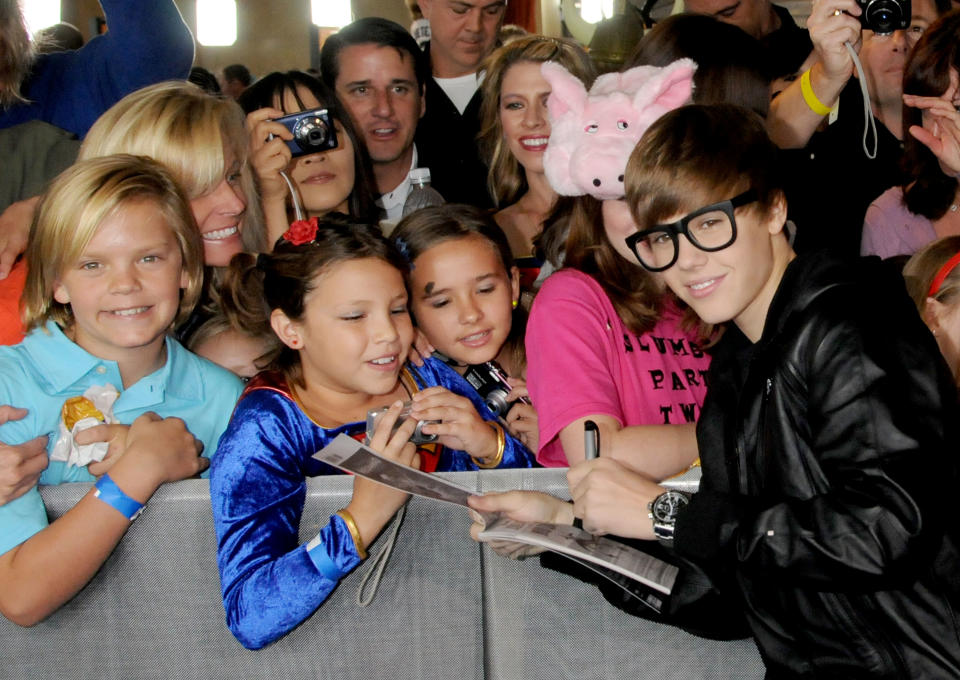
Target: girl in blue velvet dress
335 299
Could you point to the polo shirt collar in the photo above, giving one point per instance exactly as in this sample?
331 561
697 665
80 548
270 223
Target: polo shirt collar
65 363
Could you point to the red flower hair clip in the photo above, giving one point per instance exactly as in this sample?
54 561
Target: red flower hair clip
301 231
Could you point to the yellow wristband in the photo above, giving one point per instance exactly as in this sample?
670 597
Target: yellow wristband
347 518
809 96
501 446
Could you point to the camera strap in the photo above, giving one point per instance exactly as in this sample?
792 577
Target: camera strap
379 561
869 122
298 213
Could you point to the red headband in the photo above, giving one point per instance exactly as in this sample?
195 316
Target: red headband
943 274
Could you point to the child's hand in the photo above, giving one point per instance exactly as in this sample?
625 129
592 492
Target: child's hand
374 504
420 349
460 426
522 418
396 447
269 157
116 437
158 450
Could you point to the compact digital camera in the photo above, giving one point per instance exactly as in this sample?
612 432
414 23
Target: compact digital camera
313 131
885 16
490 381
418 436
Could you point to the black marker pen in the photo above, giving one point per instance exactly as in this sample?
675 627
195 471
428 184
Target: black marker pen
591 440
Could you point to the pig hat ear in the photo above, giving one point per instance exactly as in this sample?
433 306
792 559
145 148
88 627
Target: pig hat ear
565 107
671 88
567 93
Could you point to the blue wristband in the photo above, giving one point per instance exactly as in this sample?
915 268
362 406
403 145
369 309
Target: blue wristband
112 495
317 552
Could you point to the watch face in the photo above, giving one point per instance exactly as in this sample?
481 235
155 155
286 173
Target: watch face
667 506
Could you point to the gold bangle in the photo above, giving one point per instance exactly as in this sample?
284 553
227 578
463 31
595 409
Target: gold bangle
347 518
810 97
501 446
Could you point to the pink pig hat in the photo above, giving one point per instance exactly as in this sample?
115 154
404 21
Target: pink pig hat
592 134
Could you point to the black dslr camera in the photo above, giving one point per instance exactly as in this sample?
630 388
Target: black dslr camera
885 16
313 131
490 381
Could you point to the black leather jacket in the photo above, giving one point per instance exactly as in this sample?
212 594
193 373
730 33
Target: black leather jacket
830 472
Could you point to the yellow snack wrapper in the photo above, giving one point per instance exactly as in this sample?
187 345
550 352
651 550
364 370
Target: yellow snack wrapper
77 408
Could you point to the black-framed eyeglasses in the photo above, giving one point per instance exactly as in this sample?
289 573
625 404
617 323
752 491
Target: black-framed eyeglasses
710 228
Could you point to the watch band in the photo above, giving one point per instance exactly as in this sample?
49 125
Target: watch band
663 512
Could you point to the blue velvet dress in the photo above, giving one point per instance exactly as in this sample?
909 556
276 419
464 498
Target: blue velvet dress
269 581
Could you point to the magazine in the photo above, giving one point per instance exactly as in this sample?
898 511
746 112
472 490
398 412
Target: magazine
348 454
607 557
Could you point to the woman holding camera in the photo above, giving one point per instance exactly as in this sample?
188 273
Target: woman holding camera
333 179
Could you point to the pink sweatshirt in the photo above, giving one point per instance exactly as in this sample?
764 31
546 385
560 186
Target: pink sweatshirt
582 360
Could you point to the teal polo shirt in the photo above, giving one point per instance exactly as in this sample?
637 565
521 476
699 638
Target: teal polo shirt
47 368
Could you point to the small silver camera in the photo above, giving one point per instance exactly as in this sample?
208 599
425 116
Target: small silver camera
418 436
313 131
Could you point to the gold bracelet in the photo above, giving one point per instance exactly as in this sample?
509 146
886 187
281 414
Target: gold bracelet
501 446
810 97
347 518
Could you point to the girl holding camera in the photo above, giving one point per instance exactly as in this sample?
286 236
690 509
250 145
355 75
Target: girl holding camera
333 294
464 293
334 179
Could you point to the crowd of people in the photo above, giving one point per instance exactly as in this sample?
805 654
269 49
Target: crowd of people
680 253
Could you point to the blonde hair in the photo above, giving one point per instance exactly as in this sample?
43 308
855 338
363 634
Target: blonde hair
922 268
186 130
71 212
506 180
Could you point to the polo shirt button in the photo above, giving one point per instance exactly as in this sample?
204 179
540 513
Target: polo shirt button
101 369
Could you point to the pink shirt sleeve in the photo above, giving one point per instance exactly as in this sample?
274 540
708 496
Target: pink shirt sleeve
569 355
582 360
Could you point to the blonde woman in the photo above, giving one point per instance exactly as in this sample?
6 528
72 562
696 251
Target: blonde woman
202 140
515 132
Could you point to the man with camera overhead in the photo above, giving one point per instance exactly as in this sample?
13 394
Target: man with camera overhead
833 178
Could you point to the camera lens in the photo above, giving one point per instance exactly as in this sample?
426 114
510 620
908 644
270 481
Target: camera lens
311 133
884 16
420 437
496 401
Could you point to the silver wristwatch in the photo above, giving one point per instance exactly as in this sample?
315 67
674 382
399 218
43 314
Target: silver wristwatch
664 510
